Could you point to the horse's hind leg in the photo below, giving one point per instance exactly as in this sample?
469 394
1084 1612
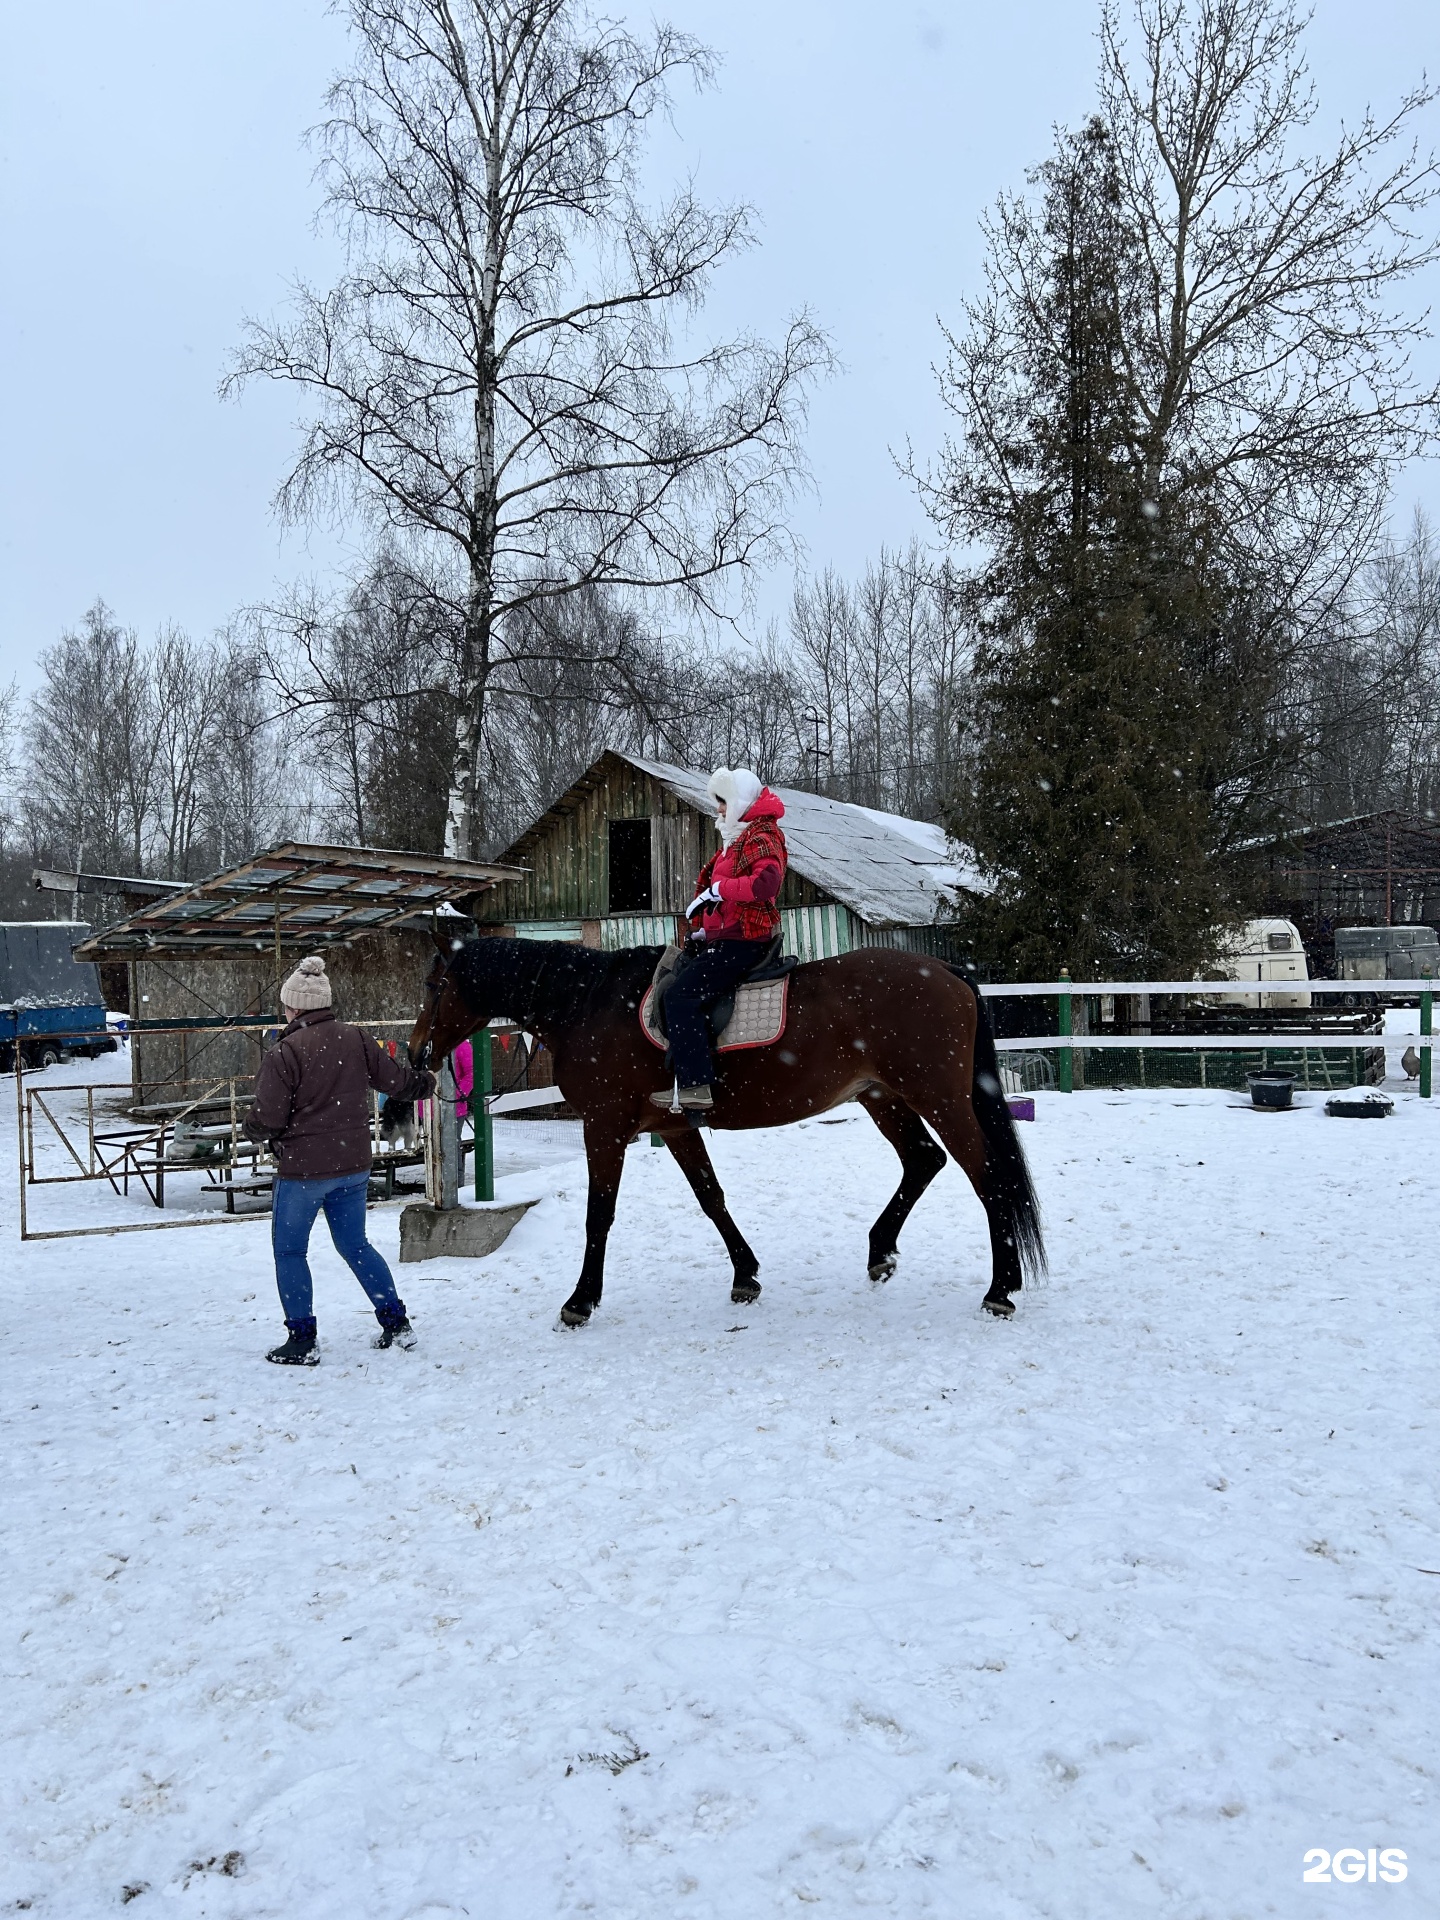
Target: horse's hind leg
694 1162
920 1161
955 1120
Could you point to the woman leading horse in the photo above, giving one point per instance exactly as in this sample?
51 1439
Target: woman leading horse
904 1035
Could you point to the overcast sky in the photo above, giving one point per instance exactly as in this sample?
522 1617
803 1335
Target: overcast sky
156 189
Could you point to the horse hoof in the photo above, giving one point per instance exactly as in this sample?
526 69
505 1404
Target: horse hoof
1003 1308
882 1269
744 1293
573 1316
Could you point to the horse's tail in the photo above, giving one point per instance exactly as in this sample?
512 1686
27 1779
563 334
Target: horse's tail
1009 1177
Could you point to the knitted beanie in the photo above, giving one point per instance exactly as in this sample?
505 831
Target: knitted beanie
308 987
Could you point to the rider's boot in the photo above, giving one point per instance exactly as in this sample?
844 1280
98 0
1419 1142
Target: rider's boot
690 1099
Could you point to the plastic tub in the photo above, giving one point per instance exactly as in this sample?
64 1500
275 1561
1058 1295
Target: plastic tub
1271 1091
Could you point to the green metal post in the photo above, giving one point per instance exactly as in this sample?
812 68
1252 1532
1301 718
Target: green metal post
484 1125
1425 1002
1067 1054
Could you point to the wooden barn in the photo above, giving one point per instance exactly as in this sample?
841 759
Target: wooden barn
1376 870
613 861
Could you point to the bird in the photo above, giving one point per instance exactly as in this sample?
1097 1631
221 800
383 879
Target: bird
1410 1061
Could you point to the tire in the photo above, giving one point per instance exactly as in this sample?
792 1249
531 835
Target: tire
49 1057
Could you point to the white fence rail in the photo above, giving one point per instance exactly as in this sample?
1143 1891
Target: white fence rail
1296 1039
1067 1043
1251 989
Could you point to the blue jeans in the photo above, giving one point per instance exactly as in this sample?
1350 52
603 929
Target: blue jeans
343 1197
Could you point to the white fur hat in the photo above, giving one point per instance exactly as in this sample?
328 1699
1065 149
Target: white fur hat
308 987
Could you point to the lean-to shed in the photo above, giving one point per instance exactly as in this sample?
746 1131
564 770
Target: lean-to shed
211 955
615 858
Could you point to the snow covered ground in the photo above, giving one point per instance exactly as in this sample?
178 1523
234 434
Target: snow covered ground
854 1601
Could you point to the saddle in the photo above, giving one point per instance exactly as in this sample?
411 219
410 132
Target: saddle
752 1015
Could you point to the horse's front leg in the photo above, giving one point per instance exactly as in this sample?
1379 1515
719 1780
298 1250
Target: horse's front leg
605 1154
693 1159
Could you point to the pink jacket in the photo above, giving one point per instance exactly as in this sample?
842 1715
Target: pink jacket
462 1064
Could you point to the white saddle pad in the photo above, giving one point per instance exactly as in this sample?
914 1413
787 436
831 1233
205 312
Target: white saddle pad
758 1019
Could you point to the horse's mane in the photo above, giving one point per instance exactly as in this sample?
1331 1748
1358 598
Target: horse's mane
556 979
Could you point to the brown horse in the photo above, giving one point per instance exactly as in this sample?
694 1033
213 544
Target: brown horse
905 1035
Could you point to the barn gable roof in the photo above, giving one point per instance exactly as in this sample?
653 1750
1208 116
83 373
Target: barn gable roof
891 871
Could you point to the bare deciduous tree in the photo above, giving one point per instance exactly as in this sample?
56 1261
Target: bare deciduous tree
1365 695
504 376
1267 356
92 732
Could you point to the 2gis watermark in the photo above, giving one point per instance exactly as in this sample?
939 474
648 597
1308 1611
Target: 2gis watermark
1352 1865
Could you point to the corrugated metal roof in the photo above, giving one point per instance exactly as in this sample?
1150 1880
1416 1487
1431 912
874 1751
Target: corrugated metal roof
891 871
294 895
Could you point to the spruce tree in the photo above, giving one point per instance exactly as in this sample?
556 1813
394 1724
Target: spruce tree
1121 664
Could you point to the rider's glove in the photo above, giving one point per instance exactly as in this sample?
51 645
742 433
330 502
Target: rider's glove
703 902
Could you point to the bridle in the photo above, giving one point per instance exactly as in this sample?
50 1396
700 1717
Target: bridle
434 988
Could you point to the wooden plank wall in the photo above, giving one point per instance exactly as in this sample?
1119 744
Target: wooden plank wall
569 855
380 977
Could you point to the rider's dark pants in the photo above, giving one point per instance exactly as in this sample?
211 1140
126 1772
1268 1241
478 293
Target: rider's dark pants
703 978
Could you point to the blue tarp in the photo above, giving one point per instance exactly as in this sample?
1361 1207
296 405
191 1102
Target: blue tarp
43 988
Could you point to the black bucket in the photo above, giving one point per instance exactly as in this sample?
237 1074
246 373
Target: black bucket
1272 1091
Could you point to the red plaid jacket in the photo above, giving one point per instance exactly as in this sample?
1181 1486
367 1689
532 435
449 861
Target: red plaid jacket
760 844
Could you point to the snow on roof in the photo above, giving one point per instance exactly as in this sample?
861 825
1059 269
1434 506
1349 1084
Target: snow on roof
892 871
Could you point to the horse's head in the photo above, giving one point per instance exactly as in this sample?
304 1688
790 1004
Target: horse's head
447 1017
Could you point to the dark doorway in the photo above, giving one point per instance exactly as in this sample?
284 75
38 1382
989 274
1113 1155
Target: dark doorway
630 866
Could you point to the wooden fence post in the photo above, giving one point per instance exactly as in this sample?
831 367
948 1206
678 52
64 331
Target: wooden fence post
1067 1054
447 1129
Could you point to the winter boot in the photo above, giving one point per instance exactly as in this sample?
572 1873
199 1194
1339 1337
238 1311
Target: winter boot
299 1349
395 1328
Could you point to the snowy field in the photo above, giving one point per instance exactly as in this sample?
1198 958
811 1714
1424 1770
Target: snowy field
854 1601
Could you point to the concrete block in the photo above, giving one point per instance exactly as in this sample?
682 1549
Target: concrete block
461 1233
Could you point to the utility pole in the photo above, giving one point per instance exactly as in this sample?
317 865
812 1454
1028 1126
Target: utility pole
811 718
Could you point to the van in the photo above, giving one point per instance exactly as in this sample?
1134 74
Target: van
1263 950
1386 953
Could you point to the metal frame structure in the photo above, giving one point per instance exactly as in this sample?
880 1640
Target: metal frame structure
297 895
120 1154
1374 869
294 894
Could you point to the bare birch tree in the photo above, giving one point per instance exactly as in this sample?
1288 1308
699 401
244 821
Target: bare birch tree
505 376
